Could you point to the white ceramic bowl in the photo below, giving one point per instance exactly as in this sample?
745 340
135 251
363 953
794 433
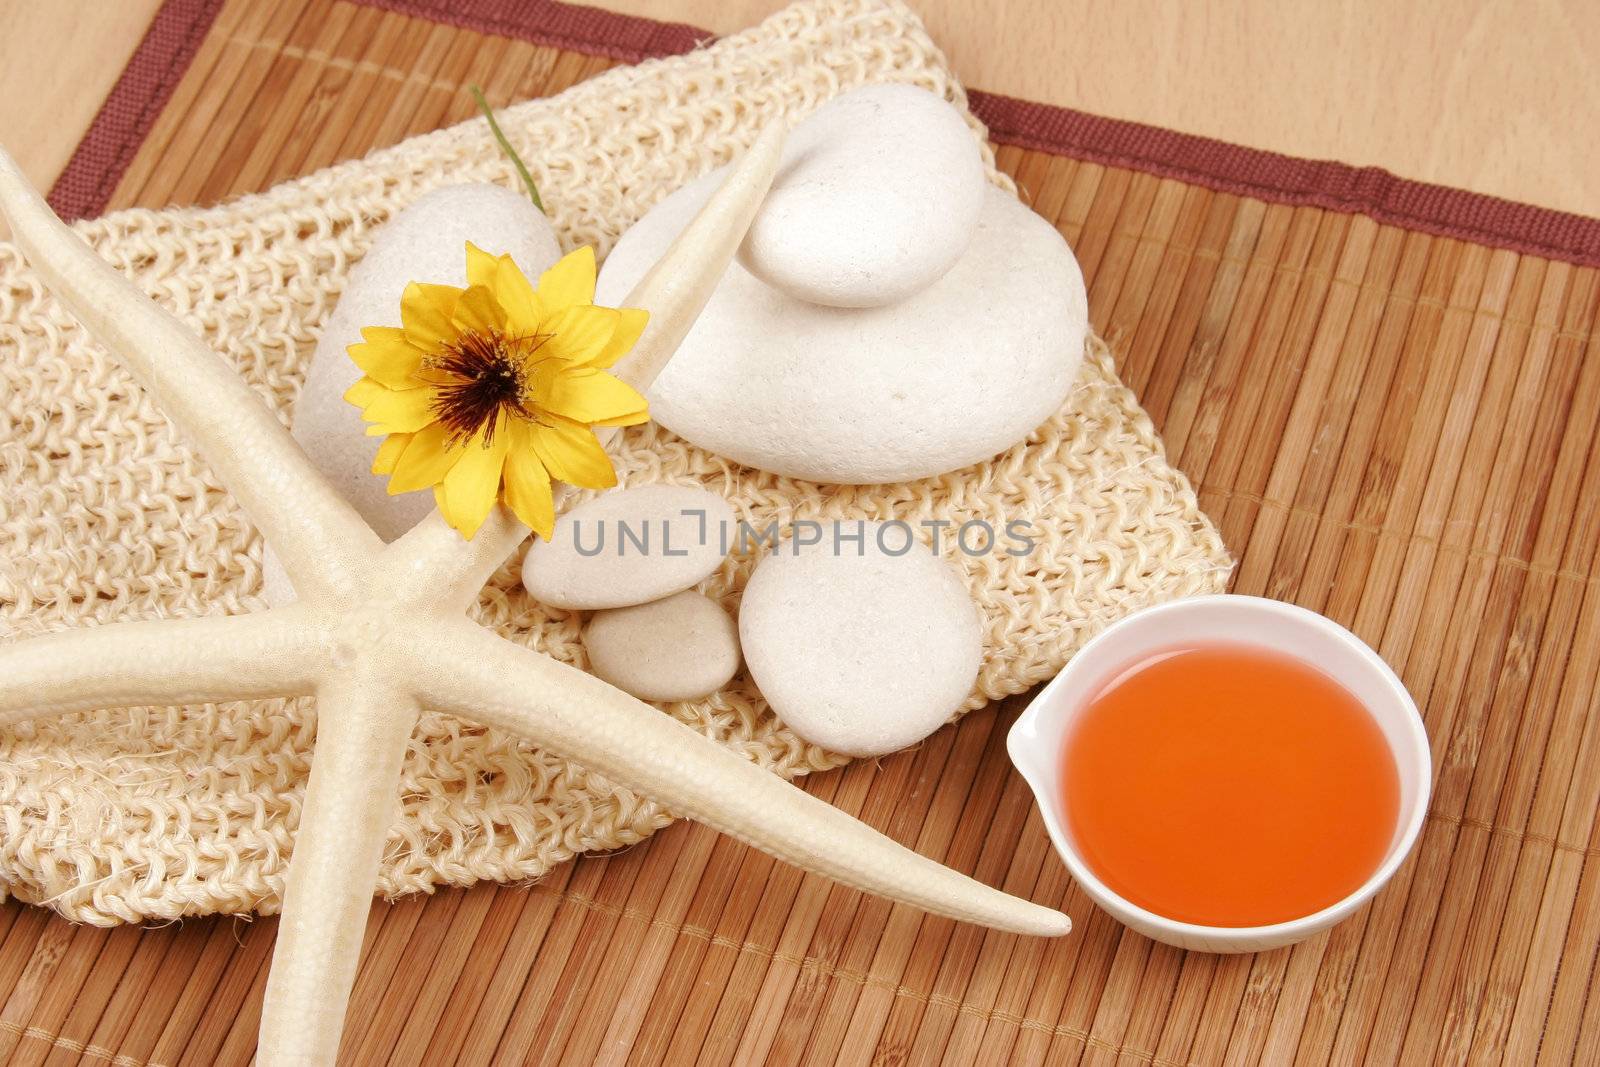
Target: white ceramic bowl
1036 741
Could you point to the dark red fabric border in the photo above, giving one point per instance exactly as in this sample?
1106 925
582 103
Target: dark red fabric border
179 26
1230 168
556 25
124 120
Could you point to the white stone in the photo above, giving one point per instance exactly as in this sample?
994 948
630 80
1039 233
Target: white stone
630 546
681 648
426 242
953 375
857 650
877 197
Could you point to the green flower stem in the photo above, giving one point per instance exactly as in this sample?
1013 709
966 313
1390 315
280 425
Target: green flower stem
505 146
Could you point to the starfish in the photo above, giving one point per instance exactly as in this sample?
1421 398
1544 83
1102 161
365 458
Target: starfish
379 632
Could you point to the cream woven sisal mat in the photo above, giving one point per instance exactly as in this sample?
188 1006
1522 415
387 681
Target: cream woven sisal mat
107 514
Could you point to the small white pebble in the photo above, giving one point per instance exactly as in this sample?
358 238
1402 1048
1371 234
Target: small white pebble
681 648
862 653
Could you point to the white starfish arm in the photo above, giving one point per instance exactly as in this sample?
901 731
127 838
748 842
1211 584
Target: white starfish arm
363 723
163 661
430 565
677 288
318 535
674 292
469 672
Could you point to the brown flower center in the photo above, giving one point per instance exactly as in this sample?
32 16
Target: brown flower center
486 373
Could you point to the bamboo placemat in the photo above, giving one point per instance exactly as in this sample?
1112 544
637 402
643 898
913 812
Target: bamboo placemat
1394 416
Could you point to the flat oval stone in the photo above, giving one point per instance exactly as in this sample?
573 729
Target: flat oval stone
683 647
630 546
877 196
426 242
860 651
956 374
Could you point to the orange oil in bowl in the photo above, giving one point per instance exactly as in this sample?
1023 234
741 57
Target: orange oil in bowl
1229 785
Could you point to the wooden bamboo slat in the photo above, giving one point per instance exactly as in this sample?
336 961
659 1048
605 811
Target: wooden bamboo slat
1399 430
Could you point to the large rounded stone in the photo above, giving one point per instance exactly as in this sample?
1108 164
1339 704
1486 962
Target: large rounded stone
681 648
858 650
426 242
957 373
877 196
630 546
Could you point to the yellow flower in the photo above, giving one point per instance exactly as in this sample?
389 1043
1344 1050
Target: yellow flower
489 392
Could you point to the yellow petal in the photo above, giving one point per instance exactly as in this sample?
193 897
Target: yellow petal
398 411
389 453
572 453
481 266
632 418
386 356
630 324
570 281
528 492
364 392
579 333
425 462
584 394
473 483
519 304
478 312
425 311
524 310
